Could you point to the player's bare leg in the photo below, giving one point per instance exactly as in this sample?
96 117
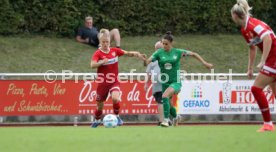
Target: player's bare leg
161 113
273 87
115 95
115 35
158 99
257 89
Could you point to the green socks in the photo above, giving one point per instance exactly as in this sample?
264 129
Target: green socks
173 112
168 110
166 107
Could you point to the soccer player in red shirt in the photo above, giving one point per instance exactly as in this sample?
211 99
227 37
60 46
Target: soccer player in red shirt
105 59
258 34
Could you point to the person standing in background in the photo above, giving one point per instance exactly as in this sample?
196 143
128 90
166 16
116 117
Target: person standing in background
153 73
88 34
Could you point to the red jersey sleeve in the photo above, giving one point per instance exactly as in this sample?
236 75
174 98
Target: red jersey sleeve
259 28
119 52
96 56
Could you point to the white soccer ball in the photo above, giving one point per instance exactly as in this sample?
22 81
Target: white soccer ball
110 121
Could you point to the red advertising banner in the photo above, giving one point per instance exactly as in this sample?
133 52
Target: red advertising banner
246 97
37 97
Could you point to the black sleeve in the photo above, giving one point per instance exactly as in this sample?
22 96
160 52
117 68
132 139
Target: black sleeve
80 32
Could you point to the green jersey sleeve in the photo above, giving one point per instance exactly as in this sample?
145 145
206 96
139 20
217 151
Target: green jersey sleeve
155 56
184 52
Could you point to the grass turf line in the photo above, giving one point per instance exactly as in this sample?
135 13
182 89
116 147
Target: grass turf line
137 139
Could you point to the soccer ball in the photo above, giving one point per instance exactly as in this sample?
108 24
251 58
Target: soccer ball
110 121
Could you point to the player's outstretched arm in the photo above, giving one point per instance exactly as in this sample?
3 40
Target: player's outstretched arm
251 60
199 58
147 61
79 39
95 64
267 41
135 54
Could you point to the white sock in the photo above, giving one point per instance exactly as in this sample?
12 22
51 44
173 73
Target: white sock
166 120
268 123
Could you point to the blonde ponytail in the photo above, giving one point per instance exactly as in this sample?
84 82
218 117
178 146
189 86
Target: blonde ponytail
241 8
246 6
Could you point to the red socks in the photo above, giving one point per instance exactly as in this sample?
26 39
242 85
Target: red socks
116 108
98 114
262 102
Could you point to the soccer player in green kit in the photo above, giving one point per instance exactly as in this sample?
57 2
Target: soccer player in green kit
169 62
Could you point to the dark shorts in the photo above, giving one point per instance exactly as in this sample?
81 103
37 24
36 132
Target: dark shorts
158 97
104 89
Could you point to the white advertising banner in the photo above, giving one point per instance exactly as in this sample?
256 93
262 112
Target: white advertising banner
213 97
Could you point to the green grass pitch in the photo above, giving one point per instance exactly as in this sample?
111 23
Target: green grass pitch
137 139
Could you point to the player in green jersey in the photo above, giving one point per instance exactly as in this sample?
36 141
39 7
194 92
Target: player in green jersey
168 59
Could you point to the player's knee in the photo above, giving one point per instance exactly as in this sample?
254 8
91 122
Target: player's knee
115 32
164 96
115 99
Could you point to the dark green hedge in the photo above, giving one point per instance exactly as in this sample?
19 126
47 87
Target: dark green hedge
132 17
